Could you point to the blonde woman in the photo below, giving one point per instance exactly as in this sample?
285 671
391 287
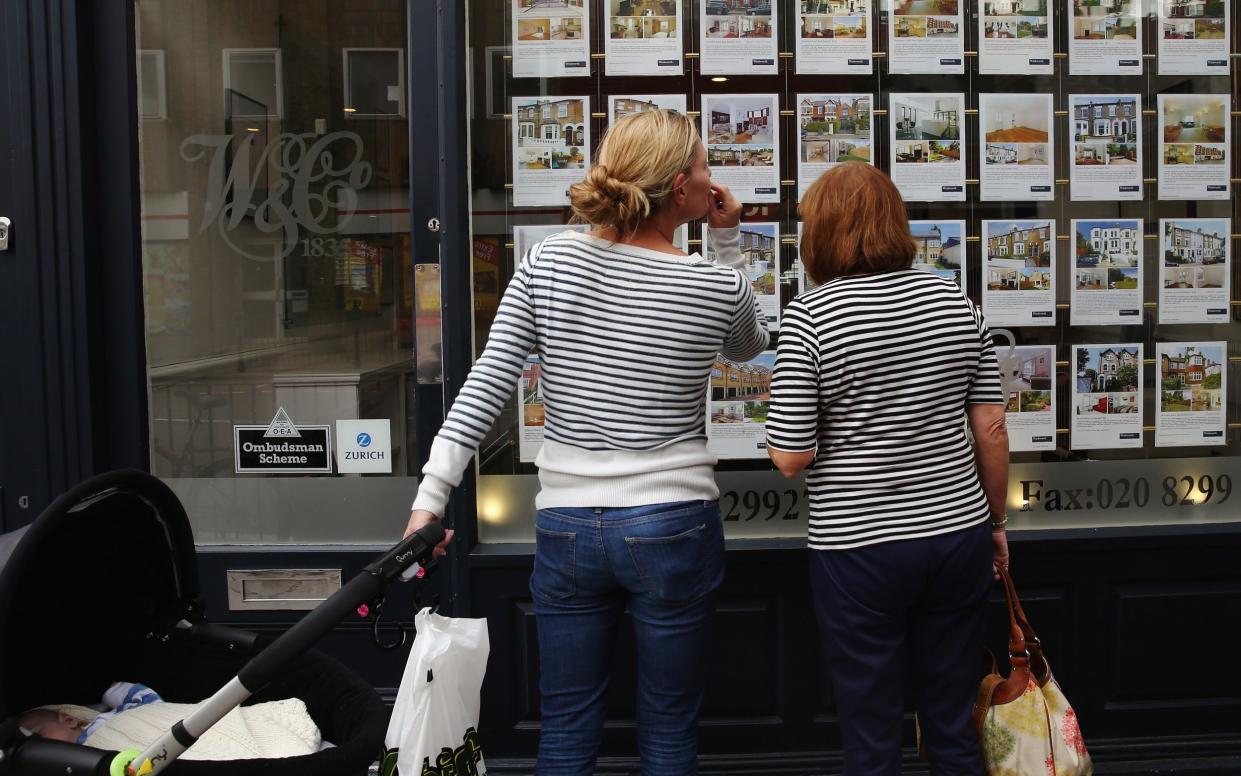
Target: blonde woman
627 328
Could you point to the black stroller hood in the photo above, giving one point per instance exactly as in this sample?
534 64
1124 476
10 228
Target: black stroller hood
109 562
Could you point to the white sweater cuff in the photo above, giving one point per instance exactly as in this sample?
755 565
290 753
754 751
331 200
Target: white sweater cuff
443 472
727 246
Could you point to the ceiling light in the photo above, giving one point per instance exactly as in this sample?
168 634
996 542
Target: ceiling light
719 79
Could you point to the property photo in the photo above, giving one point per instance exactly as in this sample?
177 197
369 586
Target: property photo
737 26
739 120
942 27
740 156
1189 118
926 7
739 412
926 117
834 129
623 106
1113 27
1033 370
1108 370
1122 403
1108 244
849 27
836 7
1034 279
1210 29
909 27
1014 119
551 134
939 246
1189 246
1034 401
639 26
563 8
733 381
1029 243
1015 27
1191 377
534 29
1092 404
818 27
644 7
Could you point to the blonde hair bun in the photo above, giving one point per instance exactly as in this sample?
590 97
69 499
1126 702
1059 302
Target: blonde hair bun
603 200
634 170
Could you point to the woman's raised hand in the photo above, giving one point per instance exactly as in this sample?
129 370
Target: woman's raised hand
724 211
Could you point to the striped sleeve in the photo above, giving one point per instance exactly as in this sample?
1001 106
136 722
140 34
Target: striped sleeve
748 334
492 381
793 414
985 388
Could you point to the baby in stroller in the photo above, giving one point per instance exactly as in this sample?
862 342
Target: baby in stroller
59 724
135 716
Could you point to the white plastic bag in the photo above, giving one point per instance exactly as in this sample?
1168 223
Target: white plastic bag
434 726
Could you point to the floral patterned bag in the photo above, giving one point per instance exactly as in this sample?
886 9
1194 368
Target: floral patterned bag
1024 721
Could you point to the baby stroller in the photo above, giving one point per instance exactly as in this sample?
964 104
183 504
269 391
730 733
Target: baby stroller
103 586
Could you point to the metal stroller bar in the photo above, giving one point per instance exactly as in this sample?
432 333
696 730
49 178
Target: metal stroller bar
258 672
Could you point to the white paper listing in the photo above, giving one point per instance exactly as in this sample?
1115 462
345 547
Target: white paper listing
1106 161
1195 277
1017 150
1105 37
1107 396
738 36
1019 266
1107 272
1014 37
1194 36
737 403
551 148
551 38
1194 130
834 36
642 37
1193 384
743 144
1029 376
926 36
927 157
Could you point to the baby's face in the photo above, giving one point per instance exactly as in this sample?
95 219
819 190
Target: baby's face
56 726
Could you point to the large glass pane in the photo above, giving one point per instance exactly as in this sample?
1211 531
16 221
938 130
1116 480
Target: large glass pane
275 197
854 80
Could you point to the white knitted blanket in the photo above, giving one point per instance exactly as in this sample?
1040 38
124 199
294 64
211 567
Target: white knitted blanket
265 730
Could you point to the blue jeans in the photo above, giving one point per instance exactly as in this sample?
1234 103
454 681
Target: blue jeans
662 561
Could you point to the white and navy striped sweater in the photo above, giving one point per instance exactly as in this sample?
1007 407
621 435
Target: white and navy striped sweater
626 339
874 372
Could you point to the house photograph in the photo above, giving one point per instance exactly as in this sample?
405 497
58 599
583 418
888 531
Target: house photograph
821 27
737 27
1029 242
1194 243
1015 119
836 7
1108 243
1112 370
939 245
543 123
909 27
739 119
750 381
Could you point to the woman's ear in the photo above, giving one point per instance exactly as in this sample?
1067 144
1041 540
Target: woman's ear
678 188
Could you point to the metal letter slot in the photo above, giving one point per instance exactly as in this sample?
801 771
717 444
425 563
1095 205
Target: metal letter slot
280 589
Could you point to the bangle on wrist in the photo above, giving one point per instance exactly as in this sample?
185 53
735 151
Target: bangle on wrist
998 524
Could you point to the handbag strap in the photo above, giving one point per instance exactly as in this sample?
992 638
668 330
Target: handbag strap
1018 619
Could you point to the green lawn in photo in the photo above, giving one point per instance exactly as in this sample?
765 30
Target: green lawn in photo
1173 403
756 411
1127 283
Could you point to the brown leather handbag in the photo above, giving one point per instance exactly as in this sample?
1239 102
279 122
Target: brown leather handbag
1024 721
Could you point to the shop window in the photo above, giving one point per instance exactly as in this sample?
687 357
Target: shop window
277 271
649 51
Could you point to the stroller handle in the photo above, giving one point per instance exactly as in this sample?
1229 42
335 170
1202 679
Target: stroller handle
377 575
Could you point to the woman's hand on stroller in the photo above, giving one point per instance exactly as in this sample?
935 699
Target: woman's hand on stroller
420 517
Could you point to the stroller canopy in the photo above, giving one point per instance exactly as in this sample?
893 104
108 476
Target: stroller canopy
106 564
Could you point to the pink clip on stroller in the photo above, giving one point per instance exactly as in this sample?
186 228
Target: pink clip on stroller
103 586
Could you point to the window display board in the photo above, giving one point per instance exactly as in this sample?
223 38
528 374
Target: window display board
1082 201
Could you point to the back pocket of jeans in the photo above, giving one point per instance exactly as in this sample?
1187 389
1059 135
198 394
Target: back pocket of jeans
671 567
554 558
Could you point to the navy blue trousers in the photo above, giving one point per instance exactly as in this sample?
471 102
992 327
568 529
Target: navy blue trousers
916 603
